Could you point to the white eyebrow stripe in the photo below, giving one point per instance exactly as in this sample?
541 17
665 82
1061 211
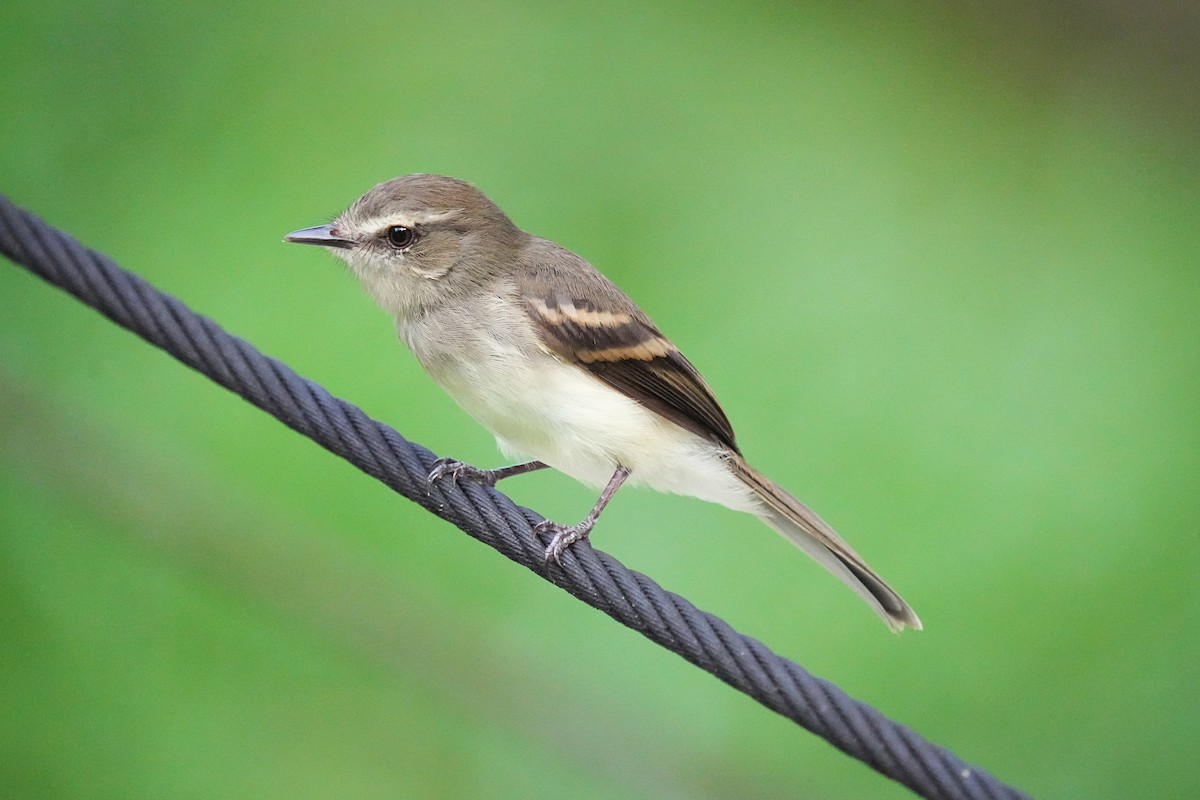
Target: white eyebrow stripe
411 220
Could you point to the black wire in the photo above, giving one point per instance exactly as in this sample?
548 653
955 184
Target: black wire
594 577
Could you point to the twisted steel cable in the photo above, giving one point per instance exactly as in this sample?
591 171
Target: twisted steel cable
597 579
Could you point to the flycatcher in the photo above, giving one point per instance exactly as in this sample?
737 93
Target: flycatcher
557 362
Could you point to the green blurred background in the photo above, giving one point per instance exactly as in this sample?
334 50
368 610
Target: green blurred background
940 266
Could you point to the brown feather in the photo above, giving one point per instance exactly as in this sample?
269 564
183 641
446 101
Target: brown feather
583 318
801 524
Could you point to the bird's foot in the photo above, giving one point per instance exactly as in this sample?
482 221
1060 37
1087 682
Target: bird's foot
563 536
454 470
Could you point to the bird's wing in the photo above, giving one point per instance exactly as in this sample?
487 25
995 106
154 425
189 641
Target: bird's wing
584 319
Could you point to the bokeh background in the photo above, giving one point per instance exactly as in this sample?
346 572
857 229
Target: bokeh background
940 264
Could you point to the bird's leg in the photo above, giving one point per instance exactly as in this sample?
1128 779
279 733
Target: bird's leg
449 467
567 535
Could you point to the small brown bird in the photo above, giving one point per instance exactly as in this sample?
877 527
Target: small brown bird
558 363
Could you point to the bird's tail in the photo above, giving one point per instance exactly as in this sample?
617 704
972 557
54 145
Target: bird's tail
801 525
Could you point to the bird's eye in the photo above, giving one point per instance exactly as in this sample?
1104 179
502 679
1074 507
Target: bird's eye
400 237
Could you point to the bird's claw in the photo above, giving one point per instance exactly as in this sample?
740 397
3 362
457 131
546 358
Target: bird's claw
454 470
563 536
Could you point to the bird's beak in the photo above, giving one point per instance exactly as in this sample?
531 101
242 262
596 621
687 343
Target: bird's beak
324 235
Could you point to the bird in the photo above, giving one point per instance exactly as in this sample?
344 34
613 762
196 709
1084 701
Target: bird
562 367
